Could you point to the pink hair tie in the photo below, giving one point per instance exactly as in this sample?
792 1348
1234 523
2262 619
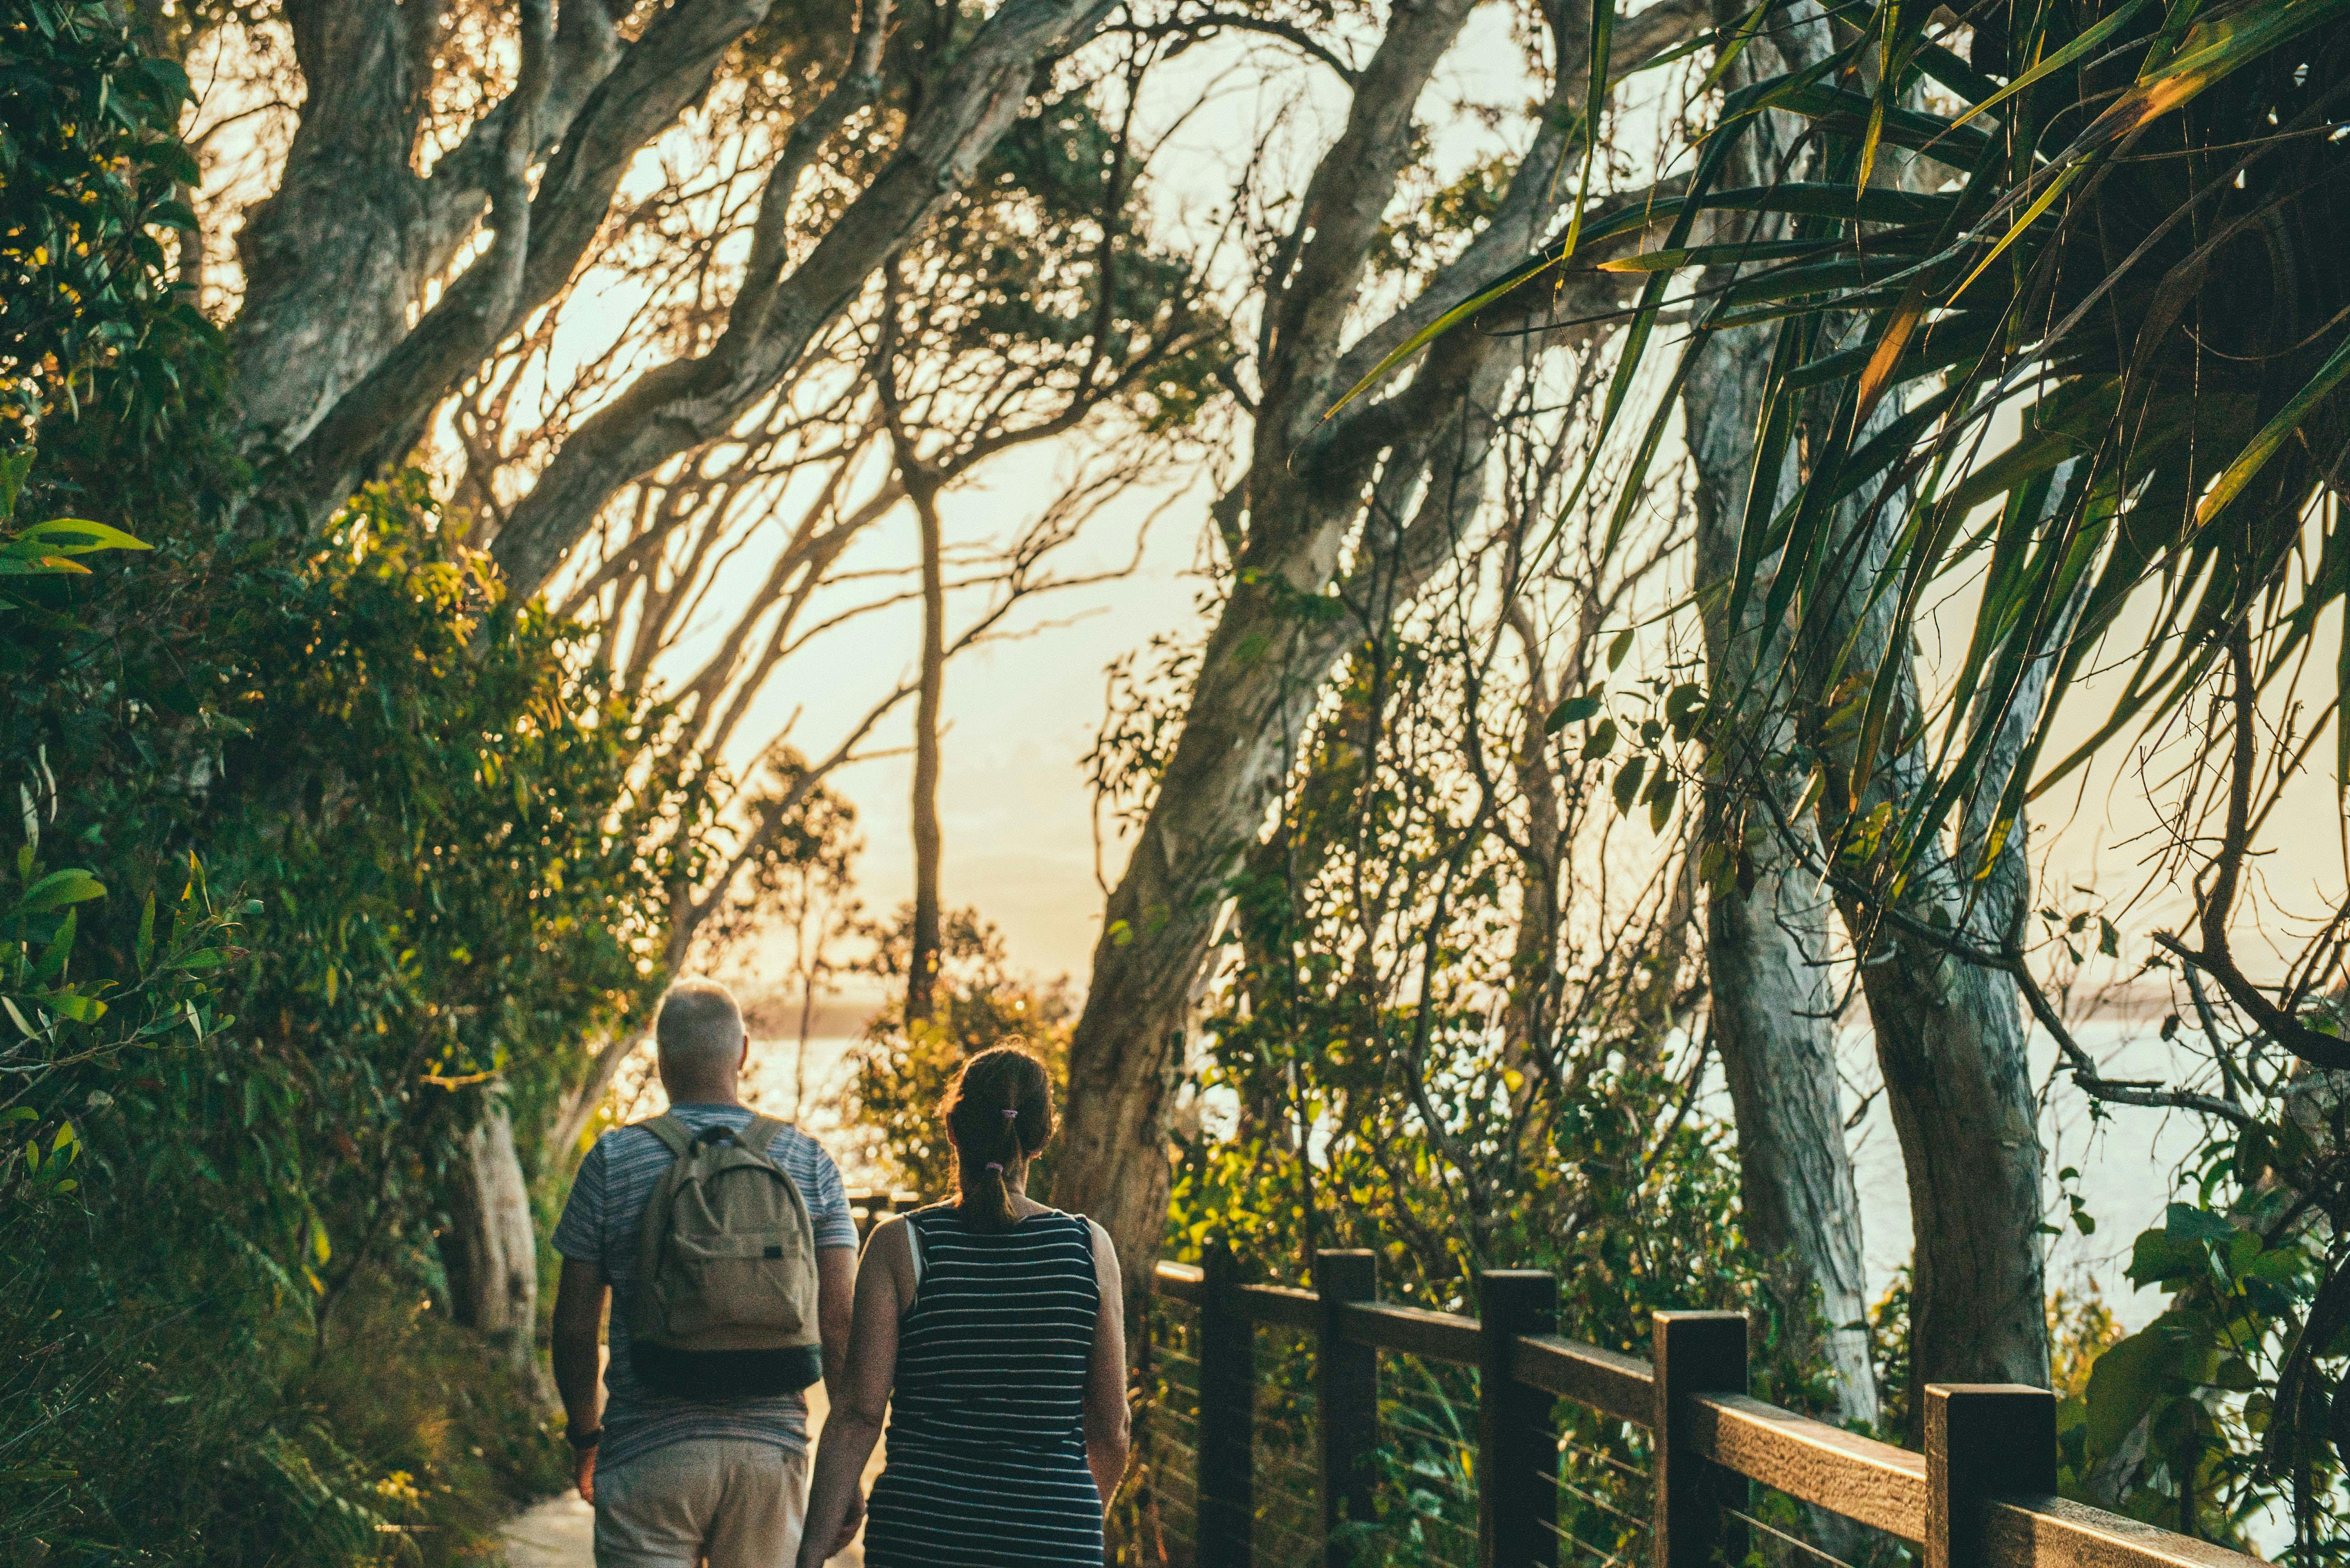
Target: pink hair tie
1010 1115
995 1167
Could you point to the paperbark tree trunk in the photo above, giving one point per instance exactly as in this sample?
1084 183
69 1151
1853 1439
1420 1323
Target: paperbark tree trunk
340 253
490 1250
1766 942
1311 484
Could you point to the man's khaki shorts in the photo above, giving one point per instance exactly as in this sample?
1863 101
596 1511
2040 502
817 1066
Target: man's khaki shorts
728 1501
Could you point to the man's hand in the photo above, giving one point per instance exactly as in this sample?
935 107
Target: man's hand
579 1296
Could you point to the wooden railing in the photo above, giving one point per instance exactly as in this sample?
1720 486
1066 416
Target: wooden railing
1980 1496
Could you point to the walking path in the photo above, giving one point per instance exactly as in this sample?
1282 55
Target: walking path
561 1532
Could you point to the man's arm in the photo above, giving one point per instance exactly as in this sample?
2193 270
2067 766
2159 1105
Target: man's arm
836 1307
579 1296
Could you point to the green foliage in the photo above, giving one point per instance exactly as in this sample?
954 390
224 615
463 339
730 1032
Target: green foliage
903 1070
2128 209
437 835
92 167
2224 1411
321 846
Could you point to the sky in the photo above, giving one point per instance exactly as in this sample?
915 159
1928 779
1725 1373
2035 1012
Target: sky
1020 713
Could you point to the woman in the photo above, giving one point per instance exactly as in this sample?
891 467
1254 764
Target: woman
997 1324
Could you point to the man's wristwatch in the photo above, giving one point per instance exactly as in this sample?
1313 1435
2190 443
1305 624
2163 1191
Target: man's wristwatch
583 1442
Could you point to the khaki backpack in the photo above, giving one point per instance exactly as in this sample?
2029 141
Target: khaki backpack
725 1301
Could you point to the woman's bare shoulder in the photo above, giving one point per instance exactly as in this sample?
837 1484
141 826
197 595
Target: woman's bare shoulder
891 1238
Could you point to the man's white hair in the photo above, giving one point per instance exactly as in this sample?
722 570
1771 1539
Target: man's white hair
700 1029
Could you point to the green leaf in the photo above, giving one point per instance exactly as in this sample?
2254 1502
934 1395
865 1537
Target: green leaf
2186 1222
74 1005
1594 104
2127 1381
1574 711
58 888
14 467
1684 708
2273 434
1601 741
79 536
1627 784
1662 796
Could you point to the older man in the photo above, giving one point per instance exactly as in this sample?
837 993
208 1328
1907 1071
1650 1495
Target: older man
678 1482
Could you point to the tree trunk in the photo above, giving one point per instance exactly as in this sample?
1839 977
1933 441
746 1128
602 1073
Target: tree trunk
335 256
923 960
490 1250
1259 682
1950 1034
1771 1002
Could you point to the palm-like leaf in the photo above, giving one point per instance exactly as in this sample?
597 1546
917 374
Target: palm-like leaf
2139 230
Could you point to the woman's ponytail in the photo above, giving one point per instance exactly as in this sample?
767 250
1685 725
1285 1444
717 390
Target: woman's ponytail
999 1113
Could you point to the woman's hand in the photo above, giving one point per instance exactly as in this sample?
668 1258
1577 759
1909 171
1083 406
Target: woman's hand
842 1540
584 1463
850 1526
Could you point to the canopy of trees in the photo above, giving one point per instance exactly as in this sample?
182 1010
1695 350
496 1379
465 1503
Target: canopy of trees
1684 498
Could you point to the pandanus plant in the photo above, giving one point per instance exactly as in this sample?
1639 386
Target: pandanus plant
2061 298
2089 260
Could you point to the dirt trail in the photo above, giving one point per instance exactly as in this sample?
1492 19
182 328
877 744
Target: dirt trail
561 1532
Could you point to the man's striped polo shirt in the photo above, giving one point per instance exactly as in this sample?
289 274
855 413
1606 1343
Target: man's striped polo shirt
601 1225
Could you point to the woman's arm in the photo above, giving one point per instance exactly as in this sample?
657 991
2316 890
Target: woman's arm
885 1285
1109 1428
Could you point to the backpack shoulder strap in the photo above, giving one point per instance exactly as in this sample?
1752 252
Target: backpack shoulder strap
760 1134
671 1131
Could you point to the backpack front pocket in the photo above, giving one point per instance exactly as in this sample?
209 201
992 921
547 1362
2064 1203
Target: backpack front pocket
729 1284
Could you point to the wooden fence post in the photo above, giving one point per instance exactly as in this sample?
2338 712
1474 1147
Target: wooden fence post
1982 1439
1349 1378
1226 1506
1694 1353
1517 1453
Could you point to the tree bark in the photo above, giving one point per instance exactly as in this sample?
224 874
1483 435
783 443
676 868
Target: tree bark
490 1250
338 254
1950 1037
1771 1002
686 403
335 257
922 960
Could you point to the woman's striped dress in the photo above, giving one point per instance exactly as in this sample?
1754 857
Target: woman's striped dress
986 1448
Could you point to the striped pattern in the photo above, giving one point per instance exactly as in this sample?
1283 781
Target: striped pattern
600 1224
987 1450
